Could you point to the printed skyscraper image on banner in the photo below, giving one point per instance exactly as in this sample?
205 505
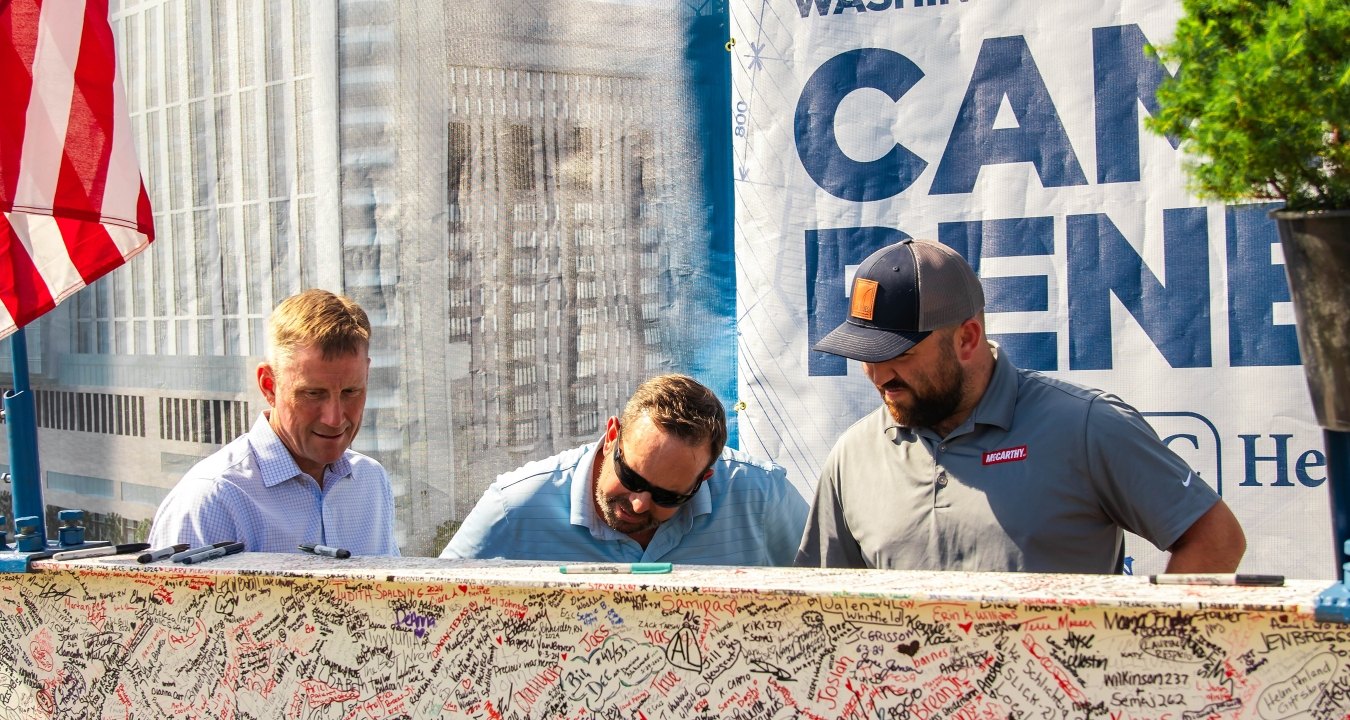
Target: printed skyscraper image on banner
1013 132
520 197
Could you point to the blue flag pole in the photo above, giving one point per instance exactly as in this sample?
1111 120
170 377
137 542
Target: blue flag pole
21 424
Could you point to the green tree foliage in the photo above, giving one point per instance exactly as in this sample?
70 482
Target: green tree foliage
1261 101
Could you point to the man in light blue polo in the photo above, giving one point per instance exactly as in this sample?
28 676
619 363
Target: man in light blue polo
658 487
971 463
292 479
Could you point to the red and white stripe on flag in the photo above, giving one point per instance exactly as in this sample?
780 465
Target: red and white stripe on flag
72 203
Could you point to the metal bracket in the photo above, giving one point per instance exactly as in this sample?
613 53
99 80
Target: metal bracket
13 561
1333 604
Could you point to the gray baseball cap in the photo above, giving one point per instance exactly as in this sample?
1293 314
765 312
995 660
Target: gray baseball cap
901 294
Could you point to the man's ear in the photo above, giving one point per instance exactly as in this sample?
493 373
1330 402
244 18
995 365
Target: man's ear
611 430
707 474
969 337
267 383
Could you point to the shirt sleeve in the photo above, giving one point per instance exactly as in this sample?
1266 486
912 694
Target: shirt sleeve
196 512
390 542
785 519
826 541
477 536
1143 485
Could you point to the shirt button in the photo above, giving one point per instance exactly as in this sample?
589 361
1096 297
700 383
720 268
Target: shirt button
943 447
942 479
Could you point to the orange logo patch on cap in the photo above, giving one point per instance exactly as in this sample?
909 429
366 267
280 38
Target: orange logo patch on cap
864 299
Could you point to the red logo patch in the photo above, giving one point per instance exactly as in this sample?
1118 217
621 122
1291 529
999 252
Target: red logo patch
994 457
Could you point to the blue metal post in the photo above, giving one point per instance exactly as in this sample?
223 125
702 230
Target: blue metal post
1338 481
21 424
1334 602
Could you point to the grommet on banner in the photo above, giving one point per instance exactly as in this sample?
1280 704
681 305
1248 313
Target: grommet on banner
731 44
739 406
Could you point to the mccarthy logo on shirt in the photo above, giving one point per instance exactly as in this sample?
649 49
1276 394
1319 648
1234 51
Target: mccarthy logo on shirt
994 457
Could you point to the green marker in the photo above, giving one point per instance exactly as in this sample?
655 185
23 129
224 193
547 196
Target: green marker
615 569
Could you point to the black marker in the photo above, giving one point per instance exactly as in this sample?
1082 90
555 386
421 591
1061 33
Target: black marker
326 551
214 553
185 554
1217 579
160 554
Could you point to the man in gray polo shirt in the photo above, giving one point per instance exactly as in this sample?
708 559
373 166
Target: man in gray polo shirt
974 464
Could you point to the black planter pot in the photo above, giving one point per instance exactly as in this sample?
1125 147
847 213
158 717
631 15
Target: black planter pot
1317 262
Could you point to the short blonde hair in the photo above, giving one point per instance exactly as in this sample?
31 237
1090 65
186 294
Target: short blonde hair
334 324
679 405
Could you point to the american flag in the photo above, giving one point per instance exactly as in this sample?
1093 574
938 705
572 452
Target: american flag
72 203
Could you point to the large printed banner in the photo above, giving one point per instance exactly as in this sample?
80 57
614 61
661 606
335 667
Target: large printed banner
1013 132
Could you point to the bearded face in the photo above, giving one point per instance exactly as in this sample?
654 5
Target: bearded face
923 387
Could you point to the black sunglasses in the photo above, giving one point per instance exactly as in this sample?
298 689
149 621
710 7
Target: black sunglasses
635 483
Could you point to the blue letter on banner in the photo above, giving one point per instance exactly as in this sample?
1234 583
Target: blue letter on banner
1255 284
1175 316
1124 76
1005 68
835 172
